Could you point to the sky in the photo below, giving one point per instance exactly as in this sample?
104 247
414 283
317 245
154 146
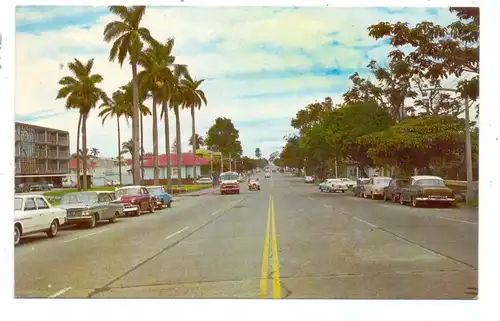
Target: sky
260 64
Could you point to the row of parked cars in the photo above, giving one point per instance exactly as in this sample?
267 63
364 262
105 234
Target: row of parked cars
417 190
34 214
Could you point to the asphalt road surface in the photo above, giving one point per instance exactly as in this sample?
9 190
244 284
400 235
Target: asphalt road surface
286 241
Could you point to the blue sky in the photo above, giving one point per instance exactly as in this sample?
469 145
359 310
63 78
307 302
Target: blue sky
261 65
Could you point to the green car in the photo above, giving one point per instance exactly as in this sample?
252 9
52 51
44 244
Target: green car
325 185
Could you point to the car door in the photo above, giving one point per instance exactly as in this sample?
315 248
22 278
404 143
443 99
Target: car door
144 198
44 212
29 217
104 206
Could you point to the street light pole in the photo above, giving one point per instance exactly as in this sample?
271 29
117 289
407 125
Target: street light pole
468 144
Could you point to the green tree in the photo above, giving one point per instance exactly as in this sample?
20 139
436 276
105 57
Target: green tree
194 98
438 51
117 107
81 91
223 137
418 142
128 35
258 153
292 155
198 140
311 114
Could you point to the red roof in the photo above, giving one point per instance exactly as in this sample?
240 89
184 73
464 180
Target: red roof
187 160
73 163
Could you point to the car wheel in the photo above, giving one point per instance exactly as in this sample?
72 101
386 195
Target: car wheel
343 191
169 204
364 195
401 199
93 221
138 212
113 219
385 198
53 229
394 200
17 234
373 196
414 202
152 207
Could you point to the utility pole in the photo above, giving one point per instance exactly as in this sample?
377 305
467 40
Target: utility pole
221 163
336 171
230 159
468 147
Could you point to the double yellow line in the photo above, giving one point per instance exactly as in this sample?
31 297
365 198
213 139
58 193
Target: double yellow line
270 229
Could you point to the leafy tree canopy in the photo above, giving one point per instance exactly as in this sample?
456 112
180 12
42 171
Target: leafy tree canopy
223 137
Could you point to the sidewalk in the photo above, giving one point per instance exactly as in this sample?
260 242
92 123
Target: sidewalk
201 192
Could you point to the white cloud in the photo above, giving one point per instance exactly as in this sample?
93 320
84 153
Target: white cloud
234 33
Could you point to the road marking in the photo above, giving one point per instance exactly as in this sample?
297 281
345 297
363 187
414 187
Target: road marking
454 219
86 235
327 206
265 256
178 232
312 199
58 293
216 212
276 263
368 223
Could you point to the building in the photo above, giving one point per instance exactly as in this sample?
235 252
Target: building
187 162
73 164
41 154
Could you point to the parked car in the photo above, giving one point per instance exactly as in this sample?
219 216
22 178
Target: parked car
253 184
41 186
162 197
204 180
337 185
359 189
309 180
427 190
393 190
136 199
34 214
375 188
88 208
229 183
325 185
112 183
349 182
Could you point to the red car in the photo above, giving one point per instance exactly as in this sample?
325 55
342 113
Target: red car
136 199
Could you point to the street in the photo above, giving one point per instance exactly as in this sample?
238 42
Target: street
286 241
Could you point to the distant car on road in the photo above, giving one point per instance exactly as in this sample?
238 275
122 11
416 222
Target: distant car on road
337 185
267 175
427 190
375 188
162 197
253 184
33 214
359 189
136 199
229 183
204 180
88 208
309 180
325 185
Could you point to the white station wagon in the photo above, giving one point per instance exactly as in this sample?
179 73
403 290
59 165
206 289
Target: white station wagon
33 214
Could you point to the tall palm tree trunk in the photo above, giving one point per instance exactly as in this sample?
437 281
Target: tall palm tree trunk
135 127
193 140
84 151
142 150
119 151
178 143
78 186
167 144
155 143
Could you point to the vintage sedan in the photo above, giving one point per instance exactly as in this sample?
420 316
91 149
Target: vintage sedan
253 184
136 199
359 189
325 185
33 214
393 190
88 208
162 197
375 188
427 190
229 183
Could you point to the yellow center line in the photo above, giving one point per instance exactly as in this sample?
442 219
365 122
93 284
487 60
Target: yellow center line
276 264
265 257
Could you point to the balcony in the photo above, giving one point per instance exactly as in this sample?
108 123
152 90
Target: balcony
64 154
52 139
41 168
51 153
63 141
39 138
40 153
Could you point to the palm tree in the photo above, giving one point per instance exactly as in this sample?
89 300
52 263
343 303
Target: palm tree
198 140
116 106
127 147
195 97
128 35
156 78
81 91
143 111
94 152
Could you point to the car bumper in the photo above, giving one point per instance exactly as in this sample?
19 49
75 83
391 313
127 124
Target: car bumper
130 209
435 200
78 219
230 190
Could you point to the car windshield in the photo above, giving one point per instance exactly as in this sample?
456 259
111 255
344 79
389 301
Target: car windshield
382 181
155 189
18 203
430 182
127 191
229 177
79 198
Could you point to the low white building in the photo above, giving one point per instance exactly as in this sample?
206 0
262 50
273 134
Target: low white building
187 162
